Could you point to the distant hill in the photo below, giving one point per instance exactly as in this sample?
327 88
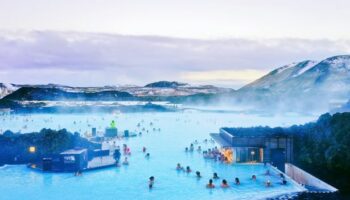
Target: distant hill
58 98
165 84
157 89
280 75
55 94
6 89
306 85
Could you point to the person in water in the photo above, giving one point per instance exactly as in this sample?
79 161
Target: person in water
268 183
281 175
237 182
254 178
144 149
188 169
191 147
199 149
128 151
224 184
124 147
113 124
284 182
117 155
151 182
198 174
179 167
126 162
215 176
210 184
147 155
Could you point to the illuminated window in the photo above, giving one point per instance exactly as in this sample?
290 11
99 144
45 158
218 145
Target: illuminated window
32 149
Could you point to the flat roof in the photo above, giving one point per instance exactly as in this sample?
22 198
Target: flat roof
73 151
220 140
256 132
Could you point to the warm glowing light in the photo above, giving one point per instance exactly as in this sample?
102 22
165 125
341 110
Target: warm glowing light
32 149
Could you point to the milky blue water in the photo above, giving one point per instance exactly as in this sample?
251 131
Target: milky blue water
166 147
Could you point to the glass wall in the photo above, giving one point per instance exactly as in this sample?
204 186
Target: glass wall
247 154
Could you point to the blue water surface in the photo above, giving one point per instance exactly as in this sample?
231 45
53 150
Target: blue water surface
166 148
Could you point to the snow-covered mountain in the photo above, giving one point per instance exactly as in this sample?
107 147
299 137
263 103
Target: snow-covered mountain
303 85
152 90
167 88
281 74
161 88
6 89
53 97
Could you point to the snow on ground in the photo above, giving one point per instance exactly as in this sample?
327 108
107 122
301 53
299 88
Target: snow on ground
308 66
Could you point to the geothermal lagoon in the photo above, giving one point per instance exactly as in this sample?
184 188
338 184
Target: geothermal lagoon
165 135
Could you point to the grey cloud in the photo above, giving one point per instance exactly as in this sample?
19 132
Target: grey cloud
146 58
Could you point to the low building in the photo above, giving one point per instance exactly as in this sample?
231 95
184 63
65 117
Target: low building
257 146
74 160
111 132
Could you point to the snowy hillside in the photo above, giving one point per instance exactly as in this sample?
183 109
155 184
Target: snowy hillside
281 74
161 88
6 89
303 85
158 90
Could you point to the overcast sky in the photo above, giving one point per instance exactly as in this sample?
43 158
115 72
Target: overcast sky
108 42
